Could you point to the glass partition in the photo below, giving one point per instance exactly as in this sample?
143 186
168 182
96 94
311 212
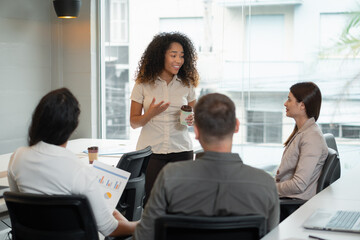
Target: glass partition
252 51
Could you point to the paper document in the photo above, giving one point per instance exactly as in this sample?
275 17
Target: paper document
112 182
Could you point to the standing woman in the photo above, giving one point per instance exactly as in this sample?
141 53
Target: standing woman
165 80
305 149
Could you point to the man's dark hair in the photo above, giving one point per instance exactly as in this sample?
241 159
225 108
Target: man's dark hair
55 118
215 117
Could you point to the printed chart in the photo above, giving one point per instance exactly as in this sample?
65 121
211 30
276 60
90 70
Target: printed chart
112 182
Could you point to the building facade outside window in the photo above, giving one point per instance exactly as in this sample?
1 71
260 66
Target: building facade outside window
252 51
115 69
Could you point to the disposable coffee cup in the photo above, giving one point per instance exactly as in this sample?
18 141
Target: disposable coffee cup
186 110
93 153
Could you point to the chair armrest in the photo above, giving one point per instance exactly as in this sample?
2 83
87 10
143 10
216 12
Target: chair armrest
119 238
291 202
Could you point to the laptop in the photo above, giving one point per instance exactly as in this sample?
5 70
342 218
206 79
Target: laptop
334 220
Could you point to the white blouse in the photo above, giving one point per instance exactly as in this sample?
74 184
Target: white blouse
49 169
164 133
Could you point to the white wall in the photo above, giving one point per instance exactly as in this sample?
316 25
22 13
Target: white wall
38 53
25 66
75 64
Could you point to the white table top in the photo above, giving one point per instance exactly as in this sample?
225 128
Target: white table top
108 146
77 146
4 161
344 194
112 147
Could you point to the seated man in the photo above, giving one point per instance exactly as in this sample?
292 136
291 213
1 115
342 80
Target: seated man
217 183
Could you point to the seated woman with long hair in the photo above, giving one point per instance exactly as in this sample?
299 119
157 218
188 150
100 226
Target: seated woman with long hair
47 167
305 149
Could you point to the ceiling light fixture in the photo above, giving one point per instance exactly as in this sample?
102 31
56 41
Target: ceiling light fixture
67 8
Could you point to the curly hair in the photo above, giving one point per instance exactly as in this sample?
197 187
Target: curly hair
153 59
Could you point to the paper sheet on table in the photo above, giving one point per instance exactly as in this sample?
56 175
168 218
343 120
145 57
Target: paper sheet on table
112 182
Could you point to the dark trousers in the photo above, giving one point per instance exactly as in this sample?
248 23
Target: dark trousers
157 162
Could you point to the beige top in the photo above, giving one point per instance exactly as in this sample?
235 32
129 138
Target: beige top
302 162
164 133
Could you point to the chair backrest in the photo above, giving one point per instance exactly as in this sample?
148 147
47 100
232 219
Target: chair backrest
331 170
40 217
131 201
176 227
134 162
330 141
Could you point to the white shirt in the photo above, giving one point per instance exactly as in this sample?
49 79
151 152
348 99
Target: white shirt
49 169
164 133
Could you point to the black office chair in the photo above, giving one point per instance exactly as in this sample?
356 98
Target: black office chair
178 227
135 162
131 201
331 170
56 217
329 174
331 142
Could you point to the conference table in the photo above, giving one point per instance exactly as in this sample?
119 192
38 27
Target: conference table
110 152
344 194
112 148
4 161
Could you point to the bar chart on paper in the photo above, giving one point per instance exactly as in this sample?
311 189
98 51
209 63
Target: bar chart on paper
112 182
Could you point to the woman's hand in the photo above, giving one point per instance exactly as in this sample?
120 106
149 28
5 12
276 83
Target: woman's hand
137 119
124 227
190 119
155 109
118 216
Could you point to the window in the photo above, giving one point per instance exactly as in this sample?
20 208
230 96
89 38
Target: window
351 131
331 27
264 127
190 26
118 20
251 51
332 128
265 37
115 69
